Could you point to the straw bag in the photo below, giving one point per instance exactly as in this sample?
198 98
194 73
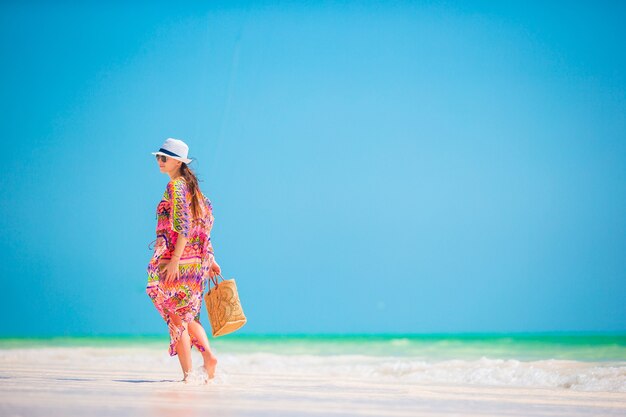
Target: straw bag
224 308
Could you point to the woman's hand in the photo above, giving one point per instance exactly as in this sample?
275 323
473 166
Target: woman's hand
215 269
171 271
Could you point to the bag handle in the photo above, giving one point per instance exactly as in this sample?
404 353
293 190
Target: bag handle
212 278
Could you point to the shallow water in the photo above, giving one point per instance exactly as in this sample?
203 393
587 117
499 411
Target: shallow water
573 362
581 347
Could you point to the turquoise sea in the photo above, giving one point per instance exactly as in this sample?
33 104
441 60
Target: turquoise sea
519 346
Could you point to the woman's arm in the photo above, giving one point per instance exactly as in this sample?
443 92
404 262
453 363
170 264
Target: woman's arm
180 246
180 218
215 267
171 271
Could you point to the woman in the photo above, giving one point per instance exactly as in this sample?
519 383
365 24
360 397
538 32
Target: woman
183 257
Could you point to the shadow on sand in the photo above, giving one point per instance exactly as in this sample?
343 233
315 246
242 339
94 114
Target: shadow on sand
141 381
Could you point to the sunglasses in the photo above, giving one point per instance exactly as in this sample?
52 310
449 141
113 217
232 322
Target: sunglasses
162 158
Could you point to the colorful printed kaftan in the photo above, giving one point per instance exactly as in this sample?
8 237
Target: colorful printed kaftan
182 296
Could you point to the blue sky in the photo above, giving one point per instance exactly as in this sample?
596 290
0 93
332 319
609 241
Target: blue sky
389 167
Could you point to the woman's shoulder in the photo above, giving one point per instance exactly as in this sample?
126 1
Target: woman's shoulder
177 183
177 180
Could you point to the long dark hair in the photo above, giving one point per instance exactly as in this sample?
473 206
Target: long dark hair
194 189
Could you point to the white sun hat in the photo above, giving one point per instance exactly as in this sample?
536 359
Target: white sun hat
174 148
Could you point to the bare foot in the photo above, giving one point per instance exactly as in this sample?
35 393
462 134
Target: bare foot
210 365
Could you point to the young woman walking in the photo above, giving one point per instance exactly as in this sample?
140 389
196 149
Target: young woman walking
183 257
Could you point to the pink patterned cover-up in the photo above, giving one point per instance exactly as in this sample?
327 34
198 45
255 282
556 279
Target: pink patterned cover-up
182 297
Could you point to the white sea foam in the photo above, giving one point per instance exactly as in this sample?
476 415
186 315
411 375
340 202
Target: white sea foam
566 374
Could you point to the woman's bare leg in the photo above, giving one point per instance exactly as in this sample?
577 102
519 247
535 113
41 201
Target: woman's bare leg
210 361
183 347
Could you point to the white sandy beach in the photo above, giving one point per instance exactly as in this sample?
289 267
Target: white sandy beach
128 381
